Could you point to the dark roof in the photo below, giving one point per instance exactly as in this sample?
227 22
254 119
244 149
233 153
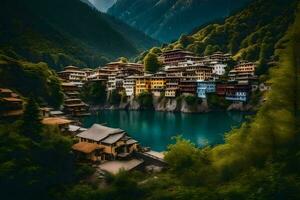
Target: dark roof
98 132
113 138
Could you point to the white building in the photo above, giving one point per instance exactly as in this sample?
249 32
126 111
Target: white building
218 68
111 83
129 85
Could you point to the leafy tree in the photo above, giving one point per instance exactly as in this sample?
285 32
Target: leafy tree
123 59
151 63
145 100
114 97
94 93
31 126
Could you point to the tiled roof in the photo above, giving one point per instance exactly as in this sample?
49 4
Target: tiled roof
98 132
85 147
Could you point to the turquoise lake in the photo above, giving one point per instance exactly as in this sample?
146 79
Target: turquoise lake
156 129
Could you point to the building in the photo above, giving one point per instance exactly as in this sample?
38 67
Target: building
70 89
219 57
11 105
218 68
221 89
117 66
99 74
76 107
112 143
176 56
205 87
244 72
87 151
72 73
158 83
111 83
172 86
142 84
129 86
188 87
237 92
61 123
201 72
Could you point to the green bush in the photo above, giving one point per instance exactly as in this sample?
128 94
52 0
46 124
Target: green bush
115 97
145 99
94 93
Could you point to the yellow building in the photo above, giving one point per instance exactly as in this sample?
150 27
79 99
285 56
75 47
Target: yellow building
112 143
142 84
158 83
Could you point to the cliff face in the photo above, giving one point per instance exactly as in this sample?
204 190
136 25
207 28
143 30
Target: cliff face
163 105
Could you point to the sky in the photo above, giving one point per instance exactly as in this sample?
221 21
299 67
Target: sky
103 5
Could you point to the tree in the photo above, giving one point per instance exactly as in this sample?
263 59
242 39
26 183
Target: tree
151 63
114 97
94 93
145 100
123 59
31 125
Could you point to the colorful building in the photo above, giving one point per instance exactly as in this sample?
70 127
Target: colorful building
142 84
205 87
158 83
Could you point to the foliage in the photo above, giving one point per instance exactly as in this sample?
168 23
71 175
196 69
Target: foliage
94 93
261 159
114 97
35 33
216 101
167 20
24 76
192 100
249 34
31 124
30 169
151 63
145 99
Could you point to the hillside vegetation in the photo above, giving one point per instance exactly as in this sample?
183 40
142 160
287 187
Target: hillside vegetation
250 34
166 20
65 32
259 161
31 80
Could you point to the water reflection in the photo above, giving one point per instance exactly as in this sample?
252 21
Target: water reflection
156 129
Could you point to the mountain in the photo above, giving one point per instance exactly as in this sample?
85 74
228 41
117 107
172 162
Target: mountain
166 20
88 3
102 5
250 34
65 32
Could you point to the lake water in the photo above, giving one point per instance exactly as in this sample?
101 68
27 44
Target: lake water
156 129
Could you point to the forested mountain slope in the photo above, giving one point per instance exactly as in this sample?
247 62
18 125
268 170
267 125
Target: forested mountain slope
65 32
166 20
250 34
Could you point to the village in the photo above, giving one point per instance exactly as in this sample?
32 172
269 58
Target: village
112 149
183 74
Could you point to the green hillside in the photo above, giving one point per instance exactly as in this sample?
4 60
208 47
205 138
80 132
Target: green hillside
166 20
31 80
64 32
250 34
